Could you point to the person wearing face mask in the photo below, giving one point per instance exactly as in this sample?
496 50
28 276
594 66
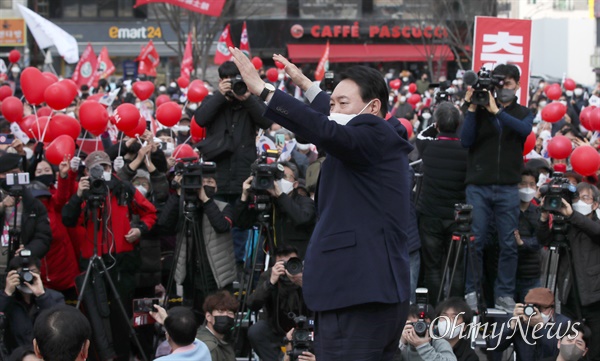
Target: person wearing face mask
401 107
219 311
424 119
583 236
279 293
294 218
574 345
216 223
541 329
454 318
495 135
579 99
423 83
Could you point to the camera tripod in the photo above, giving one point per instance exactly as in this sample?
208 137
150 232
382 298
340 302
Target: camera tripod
96 264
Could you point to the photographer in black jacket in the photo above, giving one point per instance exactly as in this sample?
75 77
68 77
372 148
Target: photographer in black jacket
444 170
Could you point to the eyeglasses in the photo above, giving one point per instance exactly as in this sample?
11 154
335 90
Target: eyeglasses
586 198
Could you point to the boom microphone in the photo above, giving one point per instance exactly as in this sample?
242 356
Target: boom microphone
470 77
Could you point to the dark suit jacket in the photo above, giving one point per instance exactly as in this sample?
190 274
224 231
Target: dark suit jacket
358 251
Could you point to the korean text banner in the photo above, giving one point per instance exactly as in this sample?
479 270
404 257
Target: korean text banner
504 41
207 7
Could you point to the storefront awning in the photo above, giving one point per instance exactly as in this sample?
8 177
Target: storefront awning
311 53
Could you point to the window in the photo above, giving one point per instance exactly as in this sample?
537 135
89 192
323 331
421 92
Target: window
5 4
96 9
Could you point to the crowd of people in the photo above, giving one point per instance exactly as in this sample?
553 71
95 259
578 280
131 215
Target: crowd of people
218 223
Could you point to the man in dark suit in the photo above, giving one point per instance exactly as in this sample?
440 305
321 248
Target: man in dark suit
356 271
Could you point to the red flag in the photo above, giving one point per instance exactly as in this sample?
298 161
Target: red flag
323 64
187 63
223 54
208 7
84 72
244 43
148 60
104 66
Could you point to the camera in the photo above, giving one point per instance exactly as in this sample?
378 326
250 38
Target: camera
442 95
24 273
301 337
421 326
191 173
144 305
329 82
98 188
555 191
482 82
294 266
238 85
265 174
463 217
529 310
16 183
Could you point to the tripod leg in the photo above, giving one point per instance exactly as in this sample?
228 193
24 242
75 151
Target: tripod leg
459 246
85 282
446 271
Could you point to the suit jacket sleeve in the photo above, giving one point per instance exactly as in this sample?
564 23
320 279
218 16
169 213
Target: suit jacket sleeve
321 103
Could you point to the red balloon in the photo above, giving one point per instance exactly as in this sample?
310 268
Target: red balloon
168 114
126 117
569 84
139 129
412 88
58 96
554 112
63 124
71 85
197 132
34 84
395 84
143 89
559 147
553 92
44 111
37 130
257 62
94 97
529 143
50 76
12 109
414 99
272 75
184 151
5 92
93 117
408 126
161 99
26 124
594 119
61 146
197 91
584 116
14 56
183 82
279 64
585 160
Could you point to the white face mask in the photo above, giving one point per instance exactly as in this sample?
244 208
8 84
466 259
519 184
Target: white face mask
426 116
405 79
545 317
286 186
272 133
542 179
445 330
542 104
181 128
582 207
563 102
390 99
542 85
578 92
526 194
142 189
107 176
343 119
170 148
402 99
569 93
193 106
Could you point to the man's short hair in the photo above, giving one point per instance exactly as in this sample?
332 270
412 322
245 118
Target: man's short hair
17 262
221 301
459 306
371 84
530 172
293 167
164 132
580 327
181 325
447 117
285 250
595 193
61 332
228 70
508 70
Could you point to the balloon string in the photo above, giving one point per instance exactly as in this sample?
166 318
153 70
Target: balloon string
46 126
81 145
36 123
120 143
188 138
97 142
179 150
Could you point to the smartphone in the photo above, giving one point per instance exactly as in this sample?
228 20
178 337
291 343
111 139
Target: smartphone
6 138
279 139
163 146
144 305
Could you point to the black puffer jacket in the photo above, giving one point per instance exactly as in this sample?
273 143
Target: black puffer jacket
241 119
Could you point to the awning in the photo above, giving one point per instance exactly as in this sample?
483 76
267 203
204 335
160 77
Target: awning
311 53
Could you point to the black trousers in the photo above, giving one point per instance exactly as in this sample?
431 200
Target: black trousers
368 332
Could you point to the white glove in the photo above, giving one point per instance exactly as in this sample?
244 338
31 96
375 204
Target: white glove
75 162
118 163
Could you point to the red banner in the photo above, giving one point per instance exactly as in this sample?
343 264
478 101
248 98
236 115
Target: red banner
104 66
84 71
187 63
223 54
148 60
244 42
323 65
207 7
504 41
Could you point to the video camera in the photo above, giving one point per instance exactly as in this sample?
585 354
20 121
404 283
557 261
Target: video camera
24 273
265 174
329 82
98 187
421 326
463 217
191 172
302 339
238 85
482 82
442 95
555 191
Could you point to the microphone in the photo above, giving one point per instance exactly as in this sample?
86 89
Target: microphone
470 77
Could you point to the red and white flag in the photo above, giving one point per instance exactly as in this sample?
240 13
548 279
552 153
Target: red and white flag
187 63
244 42
503 41
148 60
84 71
223 54
323 64
104 66
207 7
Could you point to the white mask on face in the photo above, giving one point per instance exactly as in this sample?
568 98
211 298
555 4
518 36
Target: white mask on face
182 128
390 98
193 106
542 85
545 318
563 102
142 189
170 148
272 133
569 93
426 116
526 194
405 79
343 119
402 99
542 104
107 176
578 92
582 207
286 186
446 331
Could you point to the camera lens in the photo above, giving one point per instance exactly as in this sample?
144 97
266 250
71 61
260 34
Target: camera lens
420 328
239 88
27 277
294 266
528 310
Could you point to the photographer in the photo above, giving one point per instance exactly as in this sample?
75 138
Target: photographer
495 134
22 301
454 320
422 347
305 356
294 210
280 293
582 238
